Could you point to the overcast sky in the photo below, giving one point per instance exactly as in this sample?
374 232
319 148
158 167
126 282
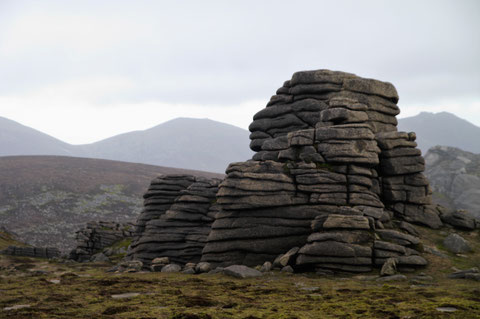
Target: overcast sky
83 70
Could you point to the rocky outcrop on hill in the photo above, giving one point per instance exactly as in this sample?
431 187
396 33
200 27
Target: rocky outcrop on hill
38 252
455 178
98 235
329 174
175 223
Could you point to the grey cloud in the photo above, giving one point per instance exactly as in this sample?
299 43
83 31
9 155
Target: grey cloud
219 52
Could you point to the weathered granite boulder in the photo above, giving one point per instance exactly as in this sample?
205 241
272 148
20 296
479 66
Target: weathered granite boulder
329 173
460 218
181 224
457 244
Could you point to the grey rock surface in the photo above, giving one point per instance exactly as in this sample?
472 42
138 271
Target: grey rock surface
171 268
176 220
241 271
389 268
454 176
456 244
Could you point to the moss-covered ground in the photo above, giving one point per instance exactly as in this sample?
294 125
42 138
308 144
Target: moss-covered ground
85 291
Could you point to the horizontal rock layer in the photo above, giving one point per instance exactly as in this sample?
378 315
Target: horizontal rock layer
181 229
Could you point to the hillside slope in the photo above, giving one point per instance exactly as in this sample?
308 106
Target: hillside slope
442 128
45 199
454 176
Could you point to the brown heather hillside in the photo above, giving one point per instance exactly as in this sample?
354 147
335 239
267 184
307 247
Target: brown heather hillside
45 199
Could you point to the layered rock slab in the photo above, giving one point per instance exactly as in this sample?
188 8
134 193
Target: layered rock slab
182 222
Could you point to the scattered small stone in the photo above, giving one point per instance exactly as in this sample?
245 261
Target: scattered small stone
285 259
16 307
446 309
203 267
130 266
171 268
266 267
241 271
389 268
126 295
310 288
287 269
54 281
421 278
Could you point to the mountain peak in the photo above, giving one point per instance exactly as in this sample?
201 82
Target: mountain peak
442 128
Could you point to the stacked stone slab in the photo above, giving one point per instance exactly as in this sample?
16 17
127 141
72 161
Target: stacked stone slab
243 230
401 246
37 252
98 235
159 197
341 241
181 232
405 189
320 145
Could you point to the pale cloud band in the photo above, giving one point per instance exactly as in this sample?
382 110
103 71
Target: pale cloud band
127 65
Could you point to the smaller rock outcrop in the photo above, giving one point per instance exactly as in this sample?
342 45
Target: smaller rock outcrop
454 176
37 252
461 219
98 235
179 211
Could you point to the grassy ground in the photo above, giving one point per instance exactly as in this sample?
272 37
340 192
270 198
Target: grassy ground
85 291
57 290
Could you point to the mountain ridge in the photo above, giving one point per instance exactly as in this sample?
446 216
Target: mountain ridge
187 143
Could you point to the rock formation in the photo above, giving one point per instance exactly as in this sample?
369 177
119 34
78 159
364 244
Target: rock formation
37 252
455 178
179 210
98 235
331 174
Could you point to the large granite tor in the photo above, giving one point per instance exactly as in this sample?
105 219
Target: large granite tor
331 175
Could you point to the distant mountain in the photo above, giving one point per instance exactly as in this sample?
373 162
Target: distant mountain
45 199
454 176
442 129
200 144
17 139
